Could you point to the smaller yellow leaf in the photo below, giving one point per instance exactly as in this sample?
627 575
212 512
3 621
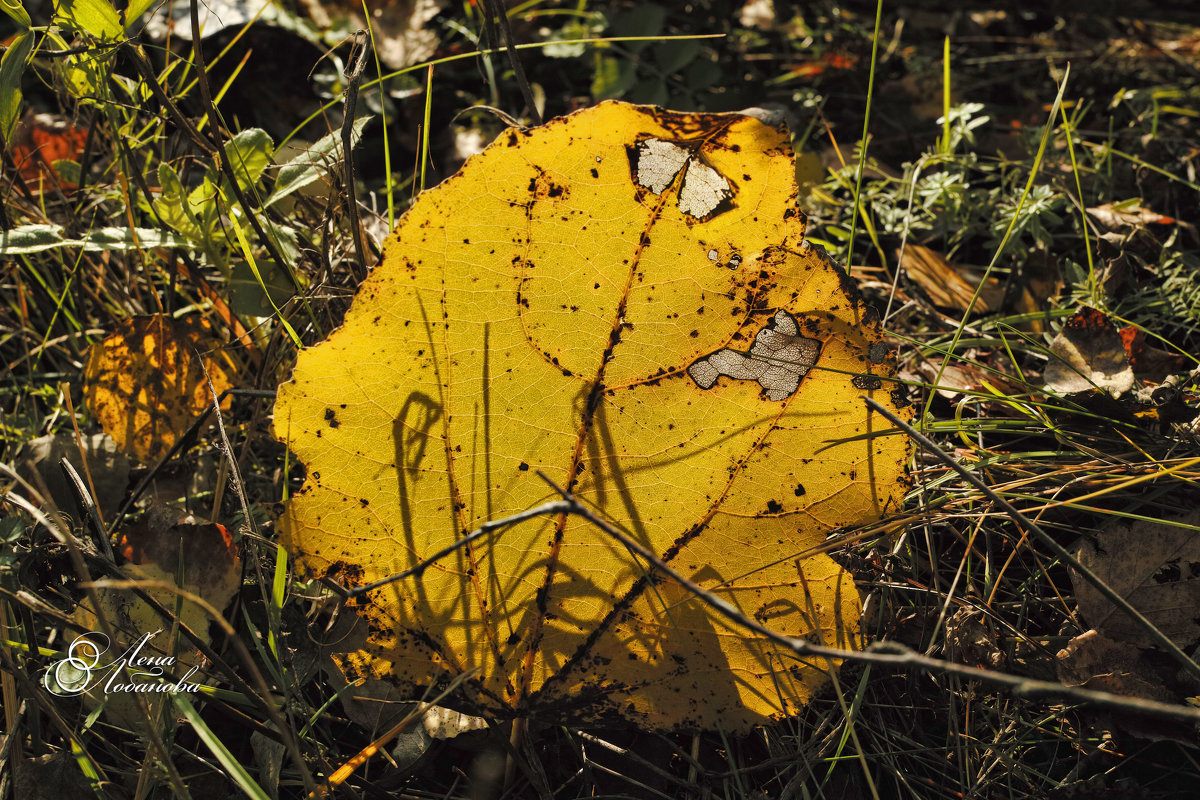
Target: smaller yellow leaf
145 382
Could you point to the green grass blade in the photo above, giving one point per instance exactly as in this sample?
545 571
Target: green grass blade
1012 223
387 147
862 151
278 586
232 766
946 144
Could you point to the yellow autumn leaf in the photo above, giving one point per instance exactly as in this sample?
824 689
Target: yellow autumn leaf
622 299
145 383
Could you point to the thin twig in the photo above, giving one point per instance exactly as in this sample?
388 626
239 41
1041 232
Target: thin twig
54 522
120 580
887 654
88 506
354 72
497 8
883 654
343 772
74 51
62 533
85 162
18 180
691 786
32 691
150 80
544 510
182 443
1027 524
288 732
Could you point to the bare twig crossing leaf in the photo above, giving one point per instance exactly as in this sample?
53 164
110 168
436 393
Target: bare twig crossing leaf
623 300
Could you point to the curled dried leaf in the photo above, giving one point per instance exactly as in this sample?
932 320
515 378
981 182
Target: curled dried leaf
1094 661
1088 354
945 284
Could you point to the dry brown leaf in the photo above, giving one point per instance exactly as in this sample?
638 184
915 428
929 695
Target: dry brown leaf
1150 363
54 776
108 469
1094 661
200 559
145 382
945 284
1088 354
966 375
971 640
401 30
1127 215
757 14
1039 283
205 553
1153 565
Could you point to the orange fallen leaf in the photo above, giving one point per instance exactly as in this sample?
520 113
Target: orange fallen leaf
39 141
1149 362
816 66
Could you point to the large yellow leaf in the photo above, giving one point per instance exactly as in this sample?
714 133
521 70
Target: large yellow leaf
622 299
